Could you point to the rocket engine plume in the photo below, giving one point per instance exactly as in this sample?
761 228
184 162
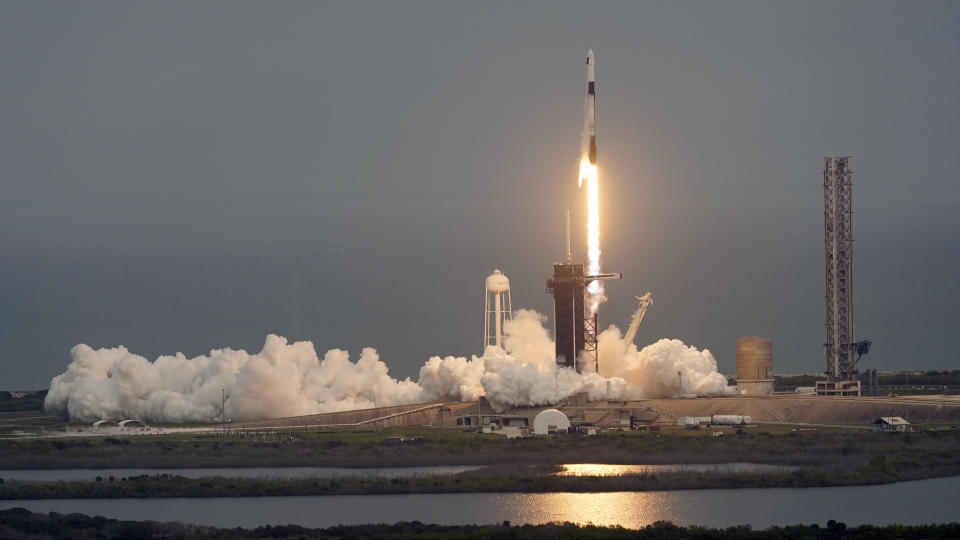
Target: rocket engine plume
588 173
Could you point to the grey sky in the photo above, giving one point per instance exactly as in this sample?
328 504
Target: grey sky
181 176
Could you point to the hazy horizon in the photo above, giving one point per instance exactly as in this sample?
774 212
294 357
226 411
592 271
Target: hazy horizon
184 177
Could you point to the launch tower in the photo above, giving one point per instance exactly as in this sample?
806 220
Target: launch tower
574 328
841 348
567 286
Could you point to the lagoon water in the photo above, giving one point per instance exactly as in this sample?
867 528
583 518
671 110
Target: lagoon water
917 502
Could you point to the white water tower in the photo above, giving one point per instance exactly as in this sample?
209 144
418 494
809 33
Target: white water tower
496 310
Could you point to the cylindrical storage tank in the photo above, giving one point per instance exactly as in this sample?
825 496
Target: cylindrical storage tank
754 365
730 419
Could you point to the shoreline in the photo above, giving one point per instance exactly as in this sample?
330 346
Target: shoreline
487 480
509 465
25 522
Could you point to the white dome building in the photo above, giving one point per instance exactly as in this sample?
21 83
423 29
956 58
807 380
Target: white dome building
550 419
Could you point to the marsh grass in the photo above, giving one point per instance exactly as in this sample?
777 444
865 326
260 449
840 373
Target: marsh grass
21 523
451 447
511 477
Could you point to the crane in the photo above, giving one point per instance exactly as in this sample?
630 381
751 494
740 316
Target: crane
645 302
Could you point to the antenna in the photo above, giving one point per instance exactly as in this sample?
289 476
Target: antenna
569 254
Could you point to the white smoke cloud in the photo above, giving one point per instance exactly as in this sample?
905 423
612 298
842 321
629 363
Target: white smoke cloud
281 380
286 379
667 368
525 372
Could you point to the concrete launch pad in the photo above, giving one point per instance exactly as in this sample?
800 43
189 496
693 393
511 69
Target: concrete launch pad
786 409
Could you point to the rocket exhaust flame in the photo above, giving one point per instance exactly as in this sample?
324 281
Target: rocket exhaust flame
588 173
595 292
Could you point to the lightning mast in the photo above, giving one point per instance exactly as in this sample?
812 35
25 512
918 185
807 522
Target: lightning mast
841 349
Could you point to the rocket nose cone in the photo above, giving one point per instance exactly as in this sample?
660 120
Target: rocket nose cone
590 54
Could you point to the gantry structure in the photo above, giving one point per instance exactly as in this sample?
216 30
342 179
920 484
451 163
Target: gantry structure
840 348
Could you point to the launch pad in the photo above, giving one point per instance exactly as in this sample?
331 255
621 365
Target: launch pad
567 286
575 329
780 409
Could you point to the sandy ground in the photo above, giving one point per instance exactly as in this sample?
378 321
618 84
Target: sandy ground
787 409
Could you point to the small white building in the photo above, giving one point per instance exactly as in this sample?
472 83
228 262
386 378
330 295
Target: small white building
549 420
893 423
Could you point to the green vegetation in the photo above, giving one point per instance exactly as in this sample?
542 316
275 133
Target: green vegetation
20 523
13 402
828 459
523 480
933 377
901 382
844 450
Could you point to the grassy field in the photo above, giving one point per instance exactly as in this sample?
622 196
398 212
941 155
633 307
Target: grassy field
845 450
20 523
29 401
830 458
529 479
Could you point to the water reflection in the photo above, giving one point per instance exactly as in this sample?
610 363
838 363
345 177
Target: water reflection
597 469
923 501
627 509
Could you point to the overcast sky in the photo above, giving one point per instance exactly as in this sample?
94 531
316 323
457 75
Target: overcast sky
182 176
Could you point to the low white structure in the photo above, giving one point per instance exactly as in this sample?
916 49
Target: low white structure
730 420
716 419
550 420
893 423
693 420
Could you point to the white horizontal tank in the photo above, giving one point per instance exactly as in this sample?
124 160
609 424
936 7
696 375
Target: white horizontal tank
730 420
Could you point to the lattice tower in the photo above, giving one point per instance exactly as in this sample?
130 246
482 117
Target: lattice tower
839 347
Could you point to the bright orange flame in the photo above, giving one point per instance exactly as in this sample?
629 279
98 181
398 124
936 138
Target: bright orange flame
588 172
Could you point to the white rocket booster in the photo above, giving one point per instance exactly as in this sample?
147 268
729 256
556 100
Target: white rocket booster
589 149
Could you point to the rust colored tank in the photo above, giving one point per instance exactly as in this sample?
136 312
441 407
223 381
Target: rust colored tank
754 365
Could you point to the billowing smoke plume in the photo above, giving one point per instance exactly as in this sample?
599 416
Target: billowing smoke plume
287 379
666 368
526 373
